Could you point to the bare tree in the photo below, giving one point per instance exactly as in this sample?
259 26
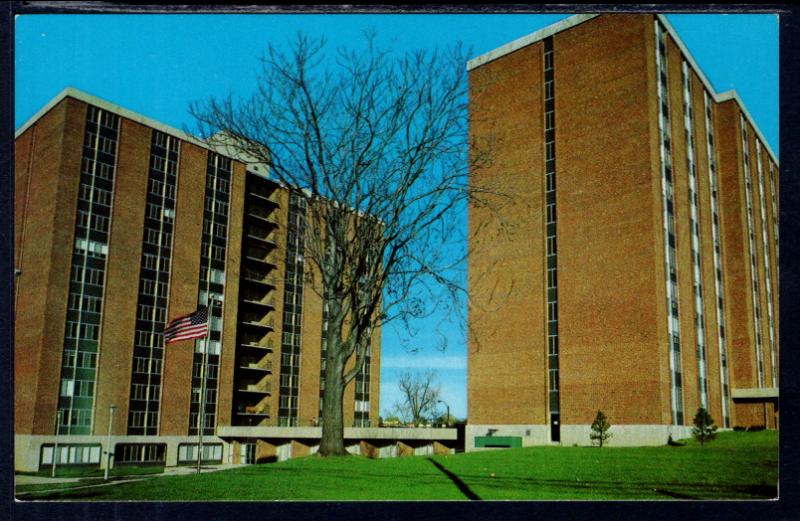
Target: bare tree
420 394
377 145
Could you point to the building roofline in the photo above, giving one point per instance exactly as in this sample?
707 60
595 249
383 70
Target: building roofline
71 92
524 41
718 97
572 21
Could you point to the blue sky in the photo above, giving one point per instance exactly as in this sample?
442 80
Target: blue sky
157 64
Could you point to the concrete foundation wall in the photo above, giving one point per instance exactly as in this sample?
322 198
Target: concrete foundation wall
622 435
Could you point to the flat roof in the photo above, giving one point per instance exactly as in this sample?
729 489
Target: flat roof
577 19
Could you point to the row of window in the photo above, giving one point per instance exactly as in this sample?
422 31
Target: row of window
98 168
91 248
207 349
80 359
101 143
84 388
155 314
153 262
160 213
293 295
82 331
211 396
142 420
767 264
95 195
157 237
212 370
700 343
93 221
145 392
74 419
550 231
85 303
673 321
147 365
752 247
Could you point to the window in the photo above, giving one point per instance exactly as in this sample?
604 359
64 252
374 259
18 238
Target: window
93 221
70 454
154 288
549 120
152 453
187 452
67 387
551 245
91 248
95 195
85 303
552 278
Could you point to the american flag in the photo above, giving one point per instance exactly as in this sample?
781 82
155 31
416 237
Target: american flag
193 325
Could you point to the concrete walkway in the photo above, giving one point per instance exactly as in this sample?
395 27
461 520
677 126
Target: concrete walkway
91 482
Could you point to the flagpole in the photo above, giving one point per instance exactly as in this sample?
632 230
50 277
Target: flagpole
209 303
201 415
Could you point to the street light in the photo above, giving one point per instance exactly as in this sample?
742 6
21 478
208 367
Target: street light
55 447
447 418
111 410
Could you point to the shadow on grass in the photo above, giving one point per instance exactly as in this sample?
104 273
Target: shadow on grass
622 489
456 481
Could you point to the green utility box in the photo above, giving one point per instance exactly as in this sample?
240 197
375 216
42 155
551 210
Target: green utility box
507 442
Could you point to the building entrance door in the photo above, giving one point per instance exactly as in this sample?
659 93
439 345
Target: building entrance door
555 427
247 453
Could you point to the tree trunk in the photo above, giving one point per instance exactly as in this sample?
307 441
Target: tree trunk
332 442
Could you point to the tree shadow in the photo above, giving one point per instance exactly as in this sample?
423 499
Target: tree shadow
456 481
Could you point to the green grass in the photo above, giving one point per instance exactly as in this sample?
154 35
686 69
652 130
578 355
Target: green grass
736 465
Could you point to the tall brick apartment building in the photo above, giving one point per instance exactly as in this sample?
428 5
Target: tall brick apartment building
635 271
122 223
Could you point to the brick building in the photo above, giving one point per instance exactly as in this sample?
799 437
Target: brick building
122 223
635 270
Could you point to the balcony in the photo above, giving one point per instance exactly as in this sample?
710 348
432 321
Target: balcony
268 240
267 260
262 197
264 218
256 345
256 365
252 410
256 388
259 278
266 304
268 325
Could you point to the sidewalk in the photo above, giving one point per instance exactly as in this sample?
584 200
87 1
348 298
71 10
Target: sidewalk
89 482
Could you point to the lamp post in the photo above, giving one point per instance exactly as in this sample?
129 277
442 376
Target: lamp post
55 445
111 410
447 418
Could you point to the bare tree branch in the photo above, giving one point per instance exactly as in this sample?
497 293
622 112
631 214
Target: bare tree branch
377 144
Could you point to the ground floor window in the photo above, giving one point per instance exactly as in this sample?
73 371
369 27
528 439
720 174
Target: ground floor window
212 452
140 454
70 454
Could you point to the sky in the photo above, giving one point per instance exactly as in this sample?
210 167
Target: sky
157 64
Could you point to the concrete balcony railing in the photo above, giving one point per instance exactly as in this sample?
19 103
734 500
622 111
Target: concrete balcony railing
259 323
258 278
264 197
259 388
256 364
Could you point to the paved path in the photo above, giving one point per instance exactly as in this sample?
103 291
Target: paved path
81 483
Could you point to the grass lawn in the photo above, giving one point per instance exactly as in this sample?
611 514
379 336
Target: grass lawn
738 465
